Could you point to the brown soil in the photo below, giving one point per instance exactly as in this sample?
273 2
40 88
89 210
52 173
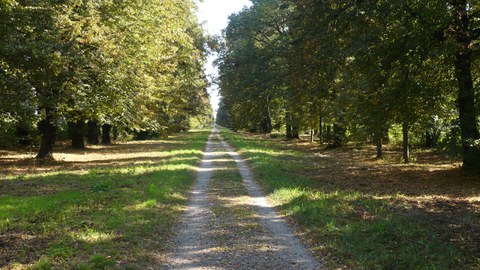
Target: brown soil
21 161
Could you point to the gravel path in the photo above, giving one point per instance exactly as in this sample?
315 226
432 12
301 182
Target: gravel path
229 224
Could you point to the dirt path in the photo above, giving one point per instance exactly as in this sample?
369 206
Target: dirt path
229 224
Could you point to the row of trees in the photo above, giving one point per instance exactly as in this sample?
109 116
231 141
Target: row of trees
135 65
355 69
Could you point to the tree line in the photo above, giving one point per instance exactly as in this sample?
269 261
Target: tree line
87 67
354 70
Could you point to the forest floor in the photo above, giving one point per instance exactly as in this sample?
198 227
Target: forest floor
106 207
117 207
357 212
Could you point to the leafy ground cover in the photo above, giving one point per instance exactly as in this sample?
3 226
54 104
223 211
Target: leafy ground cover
359 213
103 208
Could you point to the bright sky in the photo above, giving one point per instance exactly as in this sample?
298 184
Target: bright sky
214 15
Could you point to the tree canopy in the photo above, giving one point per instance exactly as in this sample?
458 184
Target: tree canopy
356 71
134 65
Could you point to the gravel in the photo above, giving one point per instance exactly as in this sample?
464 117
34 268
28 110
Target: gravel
221 239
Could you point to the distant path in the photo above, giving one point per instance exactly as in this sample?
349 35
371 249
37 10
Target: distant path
220 240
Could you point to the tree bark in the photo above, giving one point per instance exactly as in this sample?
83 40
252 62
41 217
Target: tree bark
106 140
378 140
428 139
311 135
466 92
93 133
379 146
295 132
48 132
288 125
76 131
405 145
320 130
115 132
266 124
466 106
268 121
338 134
328 135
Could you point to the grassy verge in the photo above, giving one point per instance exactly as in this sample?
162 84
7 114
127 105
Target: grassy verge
350 227
112 216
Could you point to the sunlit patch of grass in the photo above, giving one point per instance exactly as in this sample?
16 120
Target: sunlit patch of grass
145 205
346 227
92 236
104 217
270 152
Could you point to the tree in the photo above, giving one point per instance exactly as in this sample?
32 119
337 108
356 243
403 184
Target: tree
123 63
253 67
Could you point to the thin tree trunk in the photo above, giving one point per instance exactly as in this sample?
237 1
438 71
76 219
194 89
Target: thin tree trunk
269 117
76 130
48 132
406 150
320 130
311 135
328 134
93 133
115 132
106 140
379 146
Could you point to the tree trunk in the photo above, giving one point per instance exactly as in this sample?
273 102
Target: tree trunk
378 140
466 92
406 150
379 146
466 106
106 134
288 125
115 132
311 135
76 131
320 130
48 132
328 136
338 134
295 132
266 124
268 120
428 139
93 133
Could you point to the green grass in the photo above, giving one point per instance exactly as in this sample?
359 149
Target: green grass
116 217
346 227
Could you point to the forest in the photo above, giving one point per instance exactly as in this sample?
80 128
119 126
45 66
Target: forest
83 70
356 71
347 135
